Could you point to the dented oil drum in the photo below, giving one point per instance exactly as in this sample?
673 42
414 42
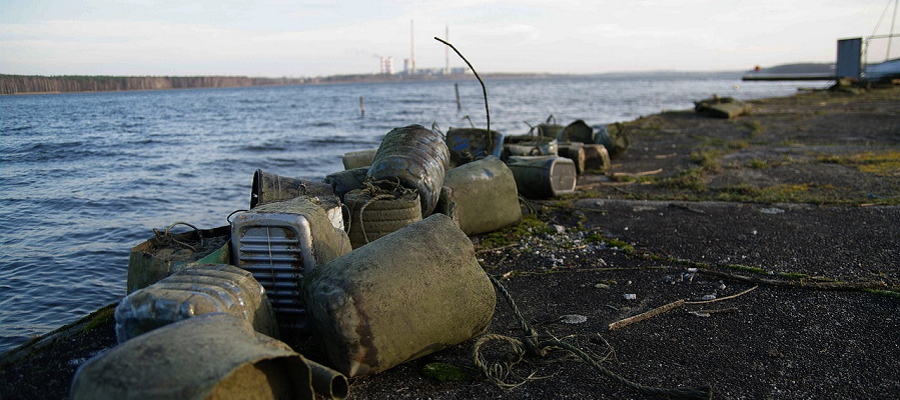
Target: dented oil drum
418 158
268 187
543 177
401 297
481 196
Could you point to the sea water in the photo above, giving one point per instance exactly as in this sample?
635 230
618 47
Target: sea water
84 177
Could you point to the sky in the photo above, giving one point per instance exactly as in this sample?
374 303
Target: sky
308 38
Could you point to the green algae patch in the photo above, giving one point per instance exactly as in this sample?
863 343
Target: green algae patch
101 317
877 163
443 372
530 225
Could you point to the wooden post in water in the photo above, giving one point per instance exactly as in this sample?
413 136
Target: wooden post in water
458 104
362 107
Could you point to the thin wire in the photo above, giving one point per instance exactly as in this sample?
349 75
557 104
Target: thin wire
483 87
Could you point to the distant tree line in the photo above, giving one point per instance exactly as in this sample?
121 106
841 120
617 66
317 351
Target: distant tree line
13 84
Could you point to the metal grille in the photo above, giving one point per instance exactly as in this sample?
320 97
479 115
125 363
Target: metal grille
273 254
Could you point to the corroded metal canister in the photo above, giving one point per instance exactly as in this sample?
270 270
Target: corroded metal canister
482 195
406 295
543 177
267 187
418 158
470 144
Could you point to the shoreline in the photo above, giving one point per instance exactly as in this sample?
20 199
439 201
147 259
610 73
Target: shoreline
21 84
789 157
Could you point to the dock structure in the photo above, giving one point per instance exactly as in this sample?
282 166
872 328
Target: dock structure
788 77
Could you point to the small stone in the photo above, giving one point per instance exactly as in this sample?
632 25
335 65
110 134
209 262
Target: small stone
601 286
572 319
559 228
629 296
721 286
709 297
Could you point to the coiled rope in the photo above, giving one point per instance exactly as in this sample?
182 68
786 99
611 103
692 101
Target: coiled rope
162 236
531 344
384 189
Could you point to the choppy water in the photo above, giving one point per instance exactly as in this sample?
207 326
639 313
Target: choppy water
86 176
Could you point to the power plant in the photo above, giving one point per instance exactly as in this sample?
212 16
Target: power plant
409 64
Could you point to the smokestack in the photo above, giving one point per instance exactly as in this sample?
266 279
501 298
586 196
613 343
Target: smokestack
412 45
447 50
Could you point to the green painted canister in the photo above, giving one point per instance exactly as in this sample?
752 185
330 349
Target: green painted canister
418 158
544 176
401 297
483 195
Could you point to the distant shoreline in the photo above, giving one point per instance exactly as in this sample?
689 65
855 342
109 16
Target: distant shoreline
37 84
